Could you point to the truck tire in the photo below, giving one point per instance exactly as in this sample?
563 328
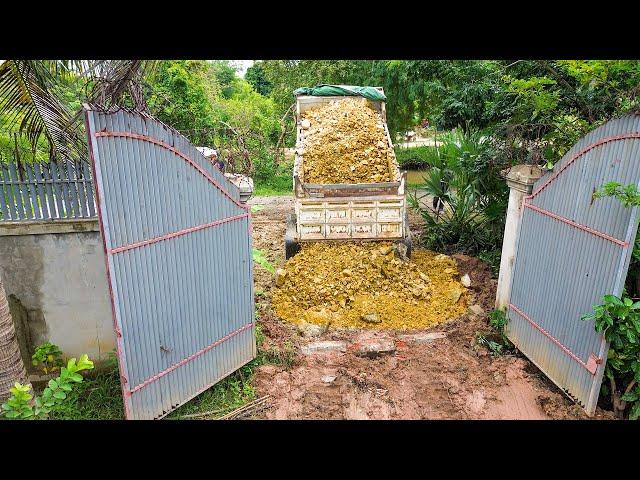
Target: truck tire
291 246
408 241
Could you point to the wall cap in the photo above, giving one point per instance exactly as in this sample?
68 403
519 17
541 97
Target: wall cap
522 177
45 227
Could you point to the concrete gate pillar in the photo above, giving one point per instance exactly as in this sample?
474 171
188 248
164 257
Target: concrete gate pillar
520 180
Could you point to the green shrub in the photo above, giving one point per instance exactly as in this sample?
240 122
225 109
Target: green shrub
619 320
48 357
21 405
415 158
496 340
474 195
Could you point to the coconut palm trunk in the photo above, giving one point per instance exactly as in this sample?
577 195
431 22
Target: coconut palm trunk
11 366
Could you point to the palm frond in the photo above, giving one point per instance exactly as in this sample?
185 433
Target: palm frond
28 104
115 79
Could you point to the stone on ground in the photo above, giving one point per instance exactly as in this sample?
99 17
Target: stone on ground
324 346
422 337
372 347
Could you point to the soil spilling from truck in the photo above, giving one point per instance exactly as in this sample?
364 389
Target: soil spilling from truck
364 285
345 142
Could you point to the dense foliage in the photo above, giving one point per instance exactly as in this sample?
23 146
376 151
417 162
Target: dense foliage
540 105
462 174
213 107
619 320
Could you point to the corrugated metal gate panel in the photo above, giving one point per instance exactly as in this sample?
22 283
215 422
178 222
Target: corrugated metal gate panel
571 251
179 262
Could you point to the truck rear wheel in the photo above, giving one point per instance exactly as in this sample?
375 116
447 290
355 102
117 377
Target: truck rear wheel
407 240
291 246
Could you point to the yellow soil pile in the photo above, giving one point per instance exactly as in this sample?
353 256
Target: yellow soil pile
363 285
345 142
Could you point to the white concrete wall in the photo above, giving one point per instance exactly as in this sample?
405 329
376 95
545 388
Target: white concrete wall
57 273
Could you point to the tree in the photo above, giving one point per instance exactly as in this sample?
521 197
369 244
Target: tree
11 365
32 104
180 93
257 78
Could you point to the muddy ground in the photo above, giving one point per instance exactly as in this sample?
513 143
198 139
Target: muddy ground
448 377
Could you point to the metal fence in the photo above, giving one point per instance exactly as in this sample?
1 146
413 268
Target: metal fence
178 253
572 250
46 191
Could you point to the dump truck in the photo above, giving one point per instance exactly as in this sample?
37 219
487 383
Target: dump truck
345 211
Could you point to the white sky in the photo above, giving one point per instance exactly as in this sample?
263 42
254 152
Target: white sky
241 66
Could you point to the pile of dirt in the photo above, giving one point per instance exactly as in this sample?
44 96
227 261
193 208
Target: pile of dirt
345 142
364 285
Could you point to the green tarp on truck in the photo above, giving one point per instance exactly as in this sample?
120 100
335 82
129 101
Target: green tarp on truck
342 90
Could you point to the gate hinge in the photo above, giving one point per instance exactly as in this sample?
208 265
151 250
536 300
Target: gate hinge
592 363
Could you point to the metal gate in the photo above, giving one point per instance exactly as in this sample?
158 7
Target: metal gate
571 251
178 253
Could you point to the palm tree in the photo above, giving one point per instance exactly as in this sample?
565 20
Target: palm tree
30 104
11 365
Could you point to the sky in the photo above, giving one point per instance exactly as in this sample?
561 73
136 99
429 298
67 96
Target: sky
241 66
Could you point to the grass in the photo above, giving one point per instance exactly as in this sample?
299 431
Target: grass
414 157
99 396
276 185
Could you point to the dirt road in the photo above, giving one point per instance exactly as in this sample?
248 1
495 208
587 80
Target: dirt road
437 374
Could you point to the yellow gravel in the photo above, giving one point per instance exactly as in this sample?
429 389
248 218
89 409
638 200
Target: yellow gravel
363 285
345 142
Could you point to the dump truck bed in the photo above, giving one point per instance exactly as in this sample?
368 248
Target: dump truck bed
367 211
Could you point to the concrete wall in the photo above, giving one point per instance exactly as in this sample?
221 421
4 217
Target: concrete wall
54 275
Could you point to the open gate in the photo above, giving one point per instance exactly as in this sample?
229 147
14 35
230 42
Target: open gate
571 251
178 253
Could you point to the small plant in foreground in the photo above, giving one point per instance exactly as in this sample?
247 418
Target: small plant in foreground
619 320
260 258
48 357
285 356
496 340
21 404
491 258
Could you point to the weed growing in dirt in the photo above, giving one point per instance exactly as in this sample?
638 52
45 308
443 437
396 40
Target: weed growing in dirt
260 258
492 258
496 340
22 404
285 356
48 357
